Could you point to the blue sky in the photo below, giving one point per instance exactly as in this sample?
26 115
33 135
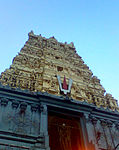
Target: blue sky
93 26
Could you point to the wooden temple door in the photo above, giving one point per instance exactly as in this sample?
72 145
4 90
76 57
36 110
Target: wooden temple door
64 133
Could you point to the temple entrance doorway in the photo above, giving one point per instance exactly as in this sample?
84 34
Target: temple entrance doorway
64 133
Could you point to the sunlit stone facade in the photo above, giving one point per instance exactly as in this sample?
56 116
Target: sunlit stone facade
50 100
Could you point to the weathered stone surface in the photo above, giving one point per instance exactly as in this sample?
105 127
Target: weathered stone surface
40 61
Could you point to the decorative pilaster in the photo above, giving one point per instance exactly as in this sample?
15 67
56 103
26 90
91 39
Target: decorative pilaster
44 120
106 127
90 132
43 139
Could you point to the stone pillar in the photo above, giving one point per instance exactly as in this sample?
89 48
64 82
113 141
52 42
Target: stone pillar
90 128
43 139
44 125
83 121
43 120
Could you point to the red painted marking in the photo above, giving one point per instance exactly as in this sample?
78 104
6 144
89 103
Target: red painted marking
64 84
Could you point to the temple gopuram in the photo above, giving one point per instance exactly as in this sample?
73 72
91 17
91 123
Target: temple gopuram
50 100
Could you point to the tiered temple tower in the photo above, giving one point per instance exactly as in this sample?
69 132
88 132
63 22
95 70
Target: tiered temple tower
49 96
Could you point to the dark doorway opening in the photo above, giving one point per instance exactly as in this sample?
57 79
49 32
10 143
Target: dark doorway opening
64 133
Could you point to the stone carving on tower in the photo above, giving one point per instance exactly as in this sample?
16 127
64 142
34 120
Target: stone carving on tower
41 60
